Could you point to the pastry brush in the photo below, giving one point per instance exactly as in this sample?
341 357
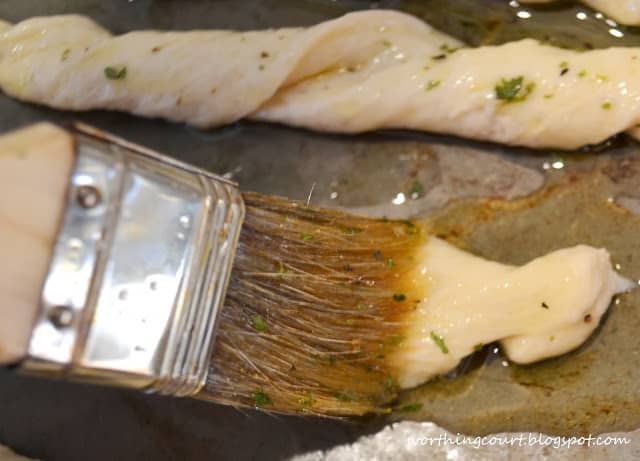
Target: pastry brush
123 267
116 261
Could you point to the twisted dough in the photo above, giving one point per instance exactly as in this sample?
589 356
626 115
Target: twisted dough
363 71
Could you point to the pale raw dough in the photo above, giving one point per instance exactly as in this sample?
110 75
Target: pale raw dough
364 71
623 11
543 309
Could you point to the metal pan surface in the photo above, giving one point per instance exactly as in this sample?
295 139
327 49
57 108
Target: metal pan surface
539 201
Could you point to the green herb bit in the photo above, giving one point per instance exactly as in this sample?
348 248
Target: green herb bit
397 340
602 78
431 84
607 106
261 67
411 408
261 399
258 323
386 43
115 73
399 297
552 338
307 400
582 73
389 262
351 231
307 237
548 96
417 190
447 49
513 90
425 68
65 54
478 347
281 269
343 397
439 341
361 306
378 255
439 57
388 385
564 65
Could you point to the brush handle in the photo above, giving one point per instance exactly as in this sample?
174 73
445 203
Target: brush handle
35 164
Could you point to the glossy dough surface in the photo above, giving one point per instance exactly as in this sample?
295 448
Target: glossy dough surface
545 308
623 11
364 71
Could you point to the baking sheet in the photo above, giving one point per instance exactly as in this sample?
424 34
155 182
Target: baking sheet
593 389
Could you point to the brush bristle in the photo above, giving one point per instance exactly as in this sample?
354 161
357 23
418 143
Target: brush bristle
316 302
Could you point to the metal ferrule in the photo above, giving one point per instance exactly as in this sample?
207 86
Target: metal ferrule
139 272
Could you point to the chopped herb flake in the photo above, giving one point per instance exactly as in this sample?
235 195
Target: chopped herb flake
439 57
564 65
343 397
513 90
65 54
281 269
447 49
399 297
439 341
307 400
552 338
115 73
417 190
544 305
548 96
411 408
607 106
261 399
261 67
389 262
386 43
388 385
257 322
602 78
307 237
478 347
582 73
361 306
351 231
431 84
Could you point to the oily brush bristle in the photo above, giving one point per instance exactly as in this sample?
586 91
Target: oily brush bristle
316 302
